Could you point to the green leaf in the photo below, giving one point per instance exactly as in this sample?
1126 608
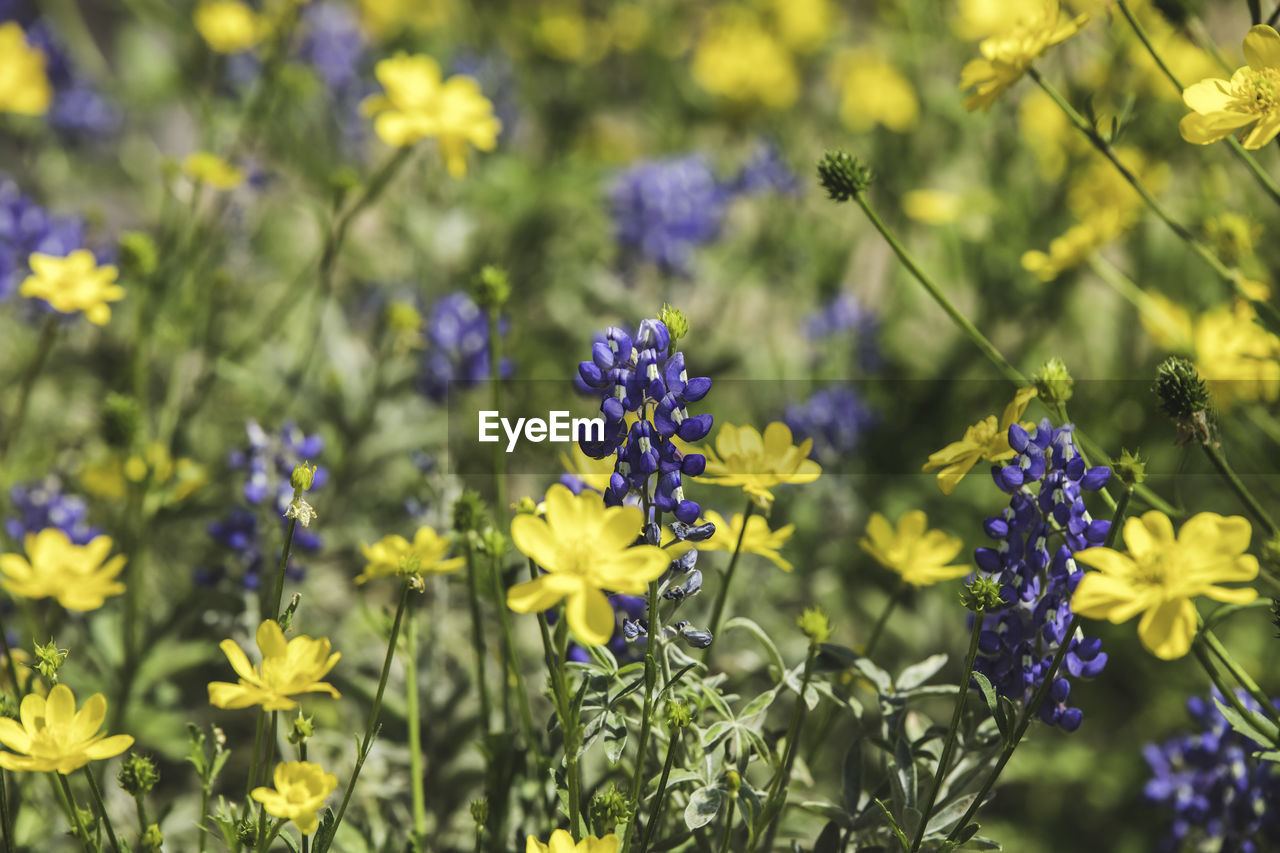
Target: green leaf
851 778
703 806
893 824
874 674
988 693
1255 726
829 839
775 657
615 736
947 816
917 674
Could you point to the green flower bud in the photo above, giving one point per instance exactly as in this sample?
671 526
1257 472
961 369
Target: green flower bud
493 542
49 659
151 840
247 833
1184 399
469 513
121 417
302 728
403 318
675 321
679 714
138 255
843 176
1053 382
816 625
480 812
1131 468
138 775
608 809
492 288
526 506
981 595
733 782
302 477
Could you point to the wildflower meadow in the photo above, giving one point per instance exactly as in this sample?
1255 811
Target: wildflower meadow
625 426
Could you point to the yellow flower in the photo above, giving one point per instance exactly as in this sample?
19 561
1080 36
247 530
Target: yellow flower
873 91
1167 322
739 60
1066 252
395 555
564 34
229 26
933 207
585 548
1049 133
594 473
977 19
1160 575
1037 26
1238 358
74 283
204 167
53 735
758 539
415 105
170 480
916 553
24 85
562 842
287 669
1221 106
986 439
804 25
300 791
387 19
74 574
742 457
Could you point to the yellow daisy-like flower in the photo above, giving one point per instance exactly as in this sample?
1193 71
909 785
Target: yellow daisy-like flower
287 669
416 104
739 60
987 439
873 91
50 734
1037 26
74 283
388 19
742 457
586 548
301 788
56 568
204 167
1251 95
1237 357
229 26
24 84
758 539
915 552
1160 575
933 206
394 555
562 842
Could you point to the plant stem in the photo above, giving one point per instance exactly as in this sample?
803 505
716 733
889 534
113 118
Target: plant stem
255 759
660 796
878 629
646 717
415 733
569 724
1228 694
772 810
1255 508
73 812
477 636
364 746
949 746
278 593
728 826
723 595
513 661
48 334
1238 672
102 808
6 823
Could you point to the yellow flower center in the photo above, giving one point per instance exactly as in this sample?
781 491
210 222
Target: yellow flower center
1152 572
1255 92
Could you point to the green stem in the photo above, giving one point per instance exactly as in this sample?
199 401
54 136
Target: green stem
69 802
569 725
415 733
979 340
1255 508
495 383
278 593
722 595
660 796
6 822
267 837
889 607
513 661
772 811
48 334
477 637
102 808
1228 693
364 746
728 826
255 759
1238 672
1024 718
952 732
646 717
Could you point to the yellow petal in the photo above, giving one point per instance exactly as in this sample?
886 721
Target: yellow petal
1207 96
542 593
1206 129
238 659
271 640
1262 48
60 707
1167 629
590 616
1103 597
109 747
1263 132
1148 534
950 477
532 535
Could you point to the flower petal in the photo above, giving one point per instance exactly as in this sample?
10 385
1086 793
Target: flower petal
1167 629
590 616
533 536
1207 96
1262 48
271 640
109 747
542 593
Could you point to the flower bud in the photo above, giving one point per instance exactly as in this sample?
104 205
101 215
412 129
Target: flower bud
1184 398
137 775
469 513
676 322
981 594
302 728
678 714
151 840
492 287
480 812
815 624
1053 382
843 176
49 659
608 809
1131 468
138 255
302 477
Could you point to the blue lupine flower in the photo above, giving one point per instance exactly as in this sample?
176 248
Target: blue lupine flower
26 227
845 313
269 461
625 608
332 44
78 107
457 346
664 209
240 533
1218 795
767 172
1045 524
44 504
640 376
835 418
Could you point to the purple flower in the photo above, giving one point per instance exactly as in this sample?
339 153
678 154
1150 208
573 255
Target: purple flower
44 504
457 347
664 209
835 418
26 227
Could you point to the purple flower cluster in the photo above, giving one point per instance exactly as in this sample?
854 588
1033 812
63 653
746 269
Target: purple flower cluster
835 418
457 347
845 313
664 209
1045 524
78 107
26 227
44 504
642 376
333 45
1218 795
